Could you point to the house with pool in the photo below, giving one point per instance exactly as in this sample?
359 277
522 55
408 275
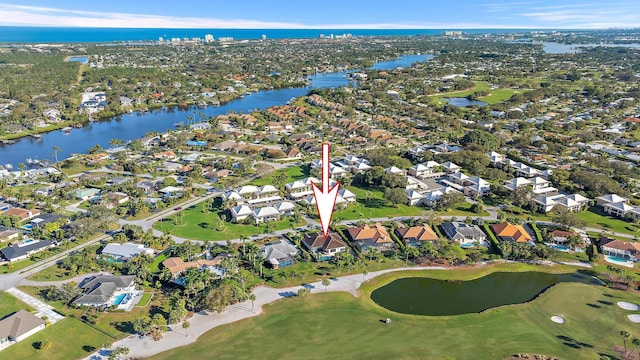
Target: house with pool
620 252
104 291
324 248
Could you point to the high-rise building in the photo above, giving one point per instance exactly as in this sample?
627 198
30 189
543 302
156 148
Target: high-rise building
160 39
208 38
264 37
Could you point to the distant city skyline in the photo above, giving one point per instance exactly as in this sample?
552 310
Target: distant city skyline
328 14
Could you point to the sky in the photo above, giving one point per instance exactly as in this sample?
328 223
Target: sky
325 14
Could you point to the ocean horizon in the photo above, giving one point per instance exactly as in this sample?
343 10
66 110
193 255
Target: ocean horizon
37 34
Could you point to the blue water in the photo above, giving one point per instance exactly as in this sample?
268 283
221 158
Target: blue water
27 227
80 59
558 247
67 34
463 102
617 259
136 125
118 299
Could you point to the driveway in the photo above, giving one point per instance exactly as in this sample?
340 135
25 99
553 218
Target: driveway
41 308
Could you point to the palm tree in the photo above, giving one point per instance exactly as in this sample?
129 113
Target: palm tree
625 336
636 343
364 274
185 326
326 282
252 297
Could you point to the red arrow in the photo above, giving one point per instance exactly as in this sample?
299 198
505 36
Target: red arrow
325 198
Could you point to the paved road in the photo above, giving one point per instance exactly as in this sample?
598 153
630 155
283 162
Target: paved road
12 279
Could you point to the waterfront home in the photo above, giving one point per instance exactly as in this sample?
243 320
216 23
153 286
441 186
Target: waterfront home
511 232
367 237
465 234
621 249
280 253
19 326
124 252
24 249
325 248
107 290
416 235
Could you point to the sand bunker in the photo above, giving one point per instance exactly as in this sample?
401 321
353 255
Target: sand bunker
635 318
557 319
628 306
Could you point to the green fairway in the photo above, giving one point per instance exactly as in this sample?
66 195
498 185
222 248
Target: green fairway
596 218
337 325
70 339
495 95
201 226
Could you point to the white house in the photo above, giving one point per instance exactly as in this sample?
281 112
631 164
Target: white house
19 326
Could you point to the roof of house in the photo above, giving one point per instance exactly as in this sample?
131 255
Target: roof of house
422 233
317 240
511 232
126 250
16 251
22 213
279 250
455 230
118 281
612 198
177 265
18 324
631 247
377 233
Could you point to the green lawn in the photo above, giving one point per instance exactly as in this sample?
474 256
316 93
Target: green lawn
145 299
154 267
201 226
293 173
337 325
595 218
376 206
10 304
495 95
70 339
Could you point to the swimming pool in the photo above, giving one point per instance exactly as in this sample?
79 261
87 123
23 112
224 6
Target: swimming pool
617 259
27 227
558 247
119 299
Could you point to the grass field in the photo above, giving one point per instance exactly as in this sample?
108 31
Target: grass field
337 325
293 173
200 226
10 304
495 95
145 299
70 339
378 207
596 218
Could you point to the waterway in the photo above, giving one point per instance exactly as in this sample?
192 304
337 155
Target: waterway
427 296
135 125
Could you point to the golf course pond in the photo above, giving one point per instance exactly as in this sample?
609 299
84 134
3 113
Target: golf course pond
427 296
